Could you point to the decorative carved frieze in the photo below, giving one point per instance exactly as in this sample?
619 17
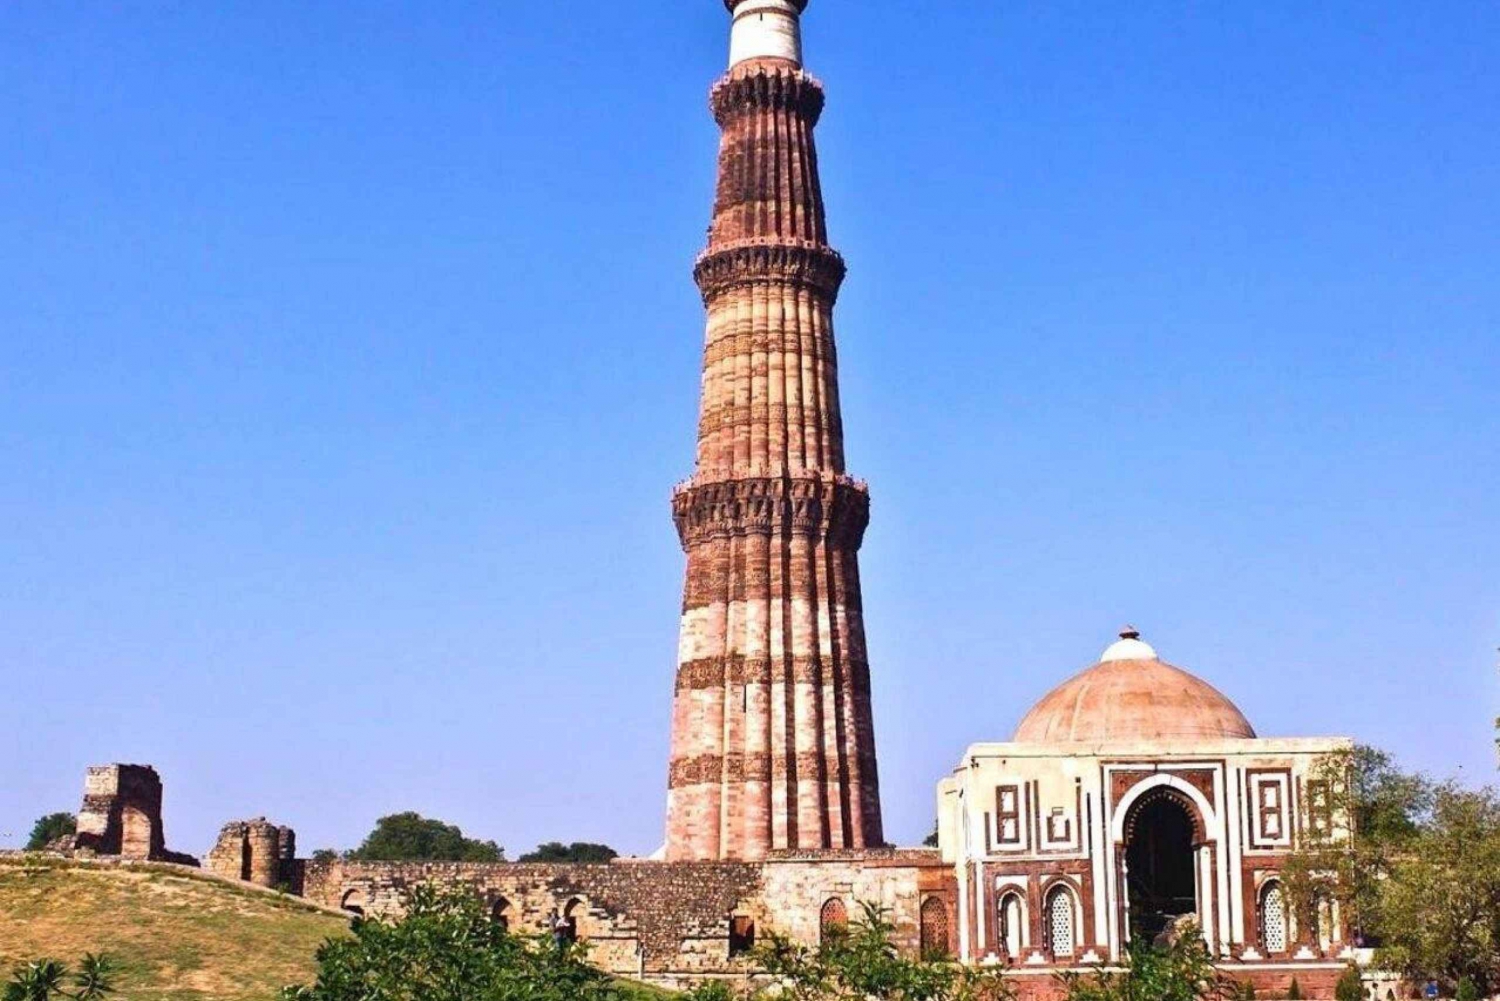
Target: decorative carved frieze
747 262
831 508
757 86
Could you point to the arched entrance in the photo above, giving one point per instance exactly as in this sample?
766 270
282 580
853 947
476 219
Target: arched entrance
1161 881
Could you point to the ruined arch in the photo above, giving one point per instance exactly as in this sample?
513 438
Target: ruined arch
566 929
500 913
354 902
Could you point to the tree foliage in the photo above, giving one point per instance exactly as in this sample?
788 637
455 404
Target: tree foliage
48 979
578 851
1440 906
1182 970
1416 865
407 837
49 828
1374 812
1351 986
447 948
859 962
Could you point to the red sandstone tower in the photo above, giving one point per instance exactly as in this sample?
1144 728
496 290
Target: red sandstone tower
773 744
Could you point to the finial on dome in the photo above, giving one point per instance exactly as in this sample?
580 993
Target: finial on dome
1129 646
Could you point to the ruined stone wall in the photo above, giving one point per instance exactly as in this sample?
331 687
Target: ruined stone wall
795 888
641 919
121 815
665 922
255 851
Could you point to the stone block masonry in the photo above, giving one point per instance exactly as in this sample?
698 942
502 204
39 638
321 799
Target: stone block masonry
121 815
773 740
255 851
668 923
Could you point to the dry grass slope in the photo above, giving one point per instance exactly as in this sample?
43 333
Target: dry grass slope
178 937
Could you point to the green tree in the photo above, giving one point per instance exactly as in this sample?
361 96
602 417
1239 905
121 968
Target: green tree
406 837
1351 986
1440 906
1180 971
49 828
1374 814
1466 991
578 851
447 948
931 841
325 855
46 979
860 963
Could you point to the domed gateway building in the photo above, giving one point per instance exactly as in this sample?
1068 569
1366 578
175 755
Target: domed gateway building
1135 801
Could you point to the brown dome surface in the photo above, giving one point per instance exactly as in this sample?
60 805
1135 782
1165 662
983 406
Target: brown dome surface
1132 699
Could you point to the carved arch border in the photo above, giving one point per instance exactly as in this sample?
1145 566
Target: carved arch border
1164 785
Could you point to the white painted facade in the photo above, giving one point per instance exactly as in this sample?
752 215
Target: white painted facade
765 29
1027 818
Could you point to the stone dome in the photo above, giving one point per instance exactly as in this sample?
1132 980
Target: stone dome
1133 695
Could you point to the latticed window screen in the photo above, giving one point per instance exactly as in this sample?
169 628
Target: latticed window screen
1060 920
934 928
833 915
1273 919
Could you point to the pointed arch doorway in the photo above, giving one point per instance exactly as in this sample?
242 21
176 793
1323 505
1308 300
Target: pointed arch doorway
1162 862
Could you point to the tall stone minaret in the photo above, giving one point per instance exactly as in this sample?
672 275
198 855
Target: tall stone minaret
773 744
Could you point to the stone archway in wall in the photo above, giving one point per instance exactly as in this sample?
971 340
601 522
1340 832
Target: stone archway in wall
1163 834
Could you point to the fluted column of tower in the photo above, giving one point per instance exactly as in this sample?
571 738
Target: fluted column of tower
773 744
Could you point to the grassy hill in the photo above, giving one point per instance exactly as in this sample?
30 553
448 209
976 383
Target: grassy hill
177 936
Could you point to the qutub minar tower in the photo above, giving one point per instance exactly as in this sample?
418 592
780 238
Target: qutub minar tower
773 743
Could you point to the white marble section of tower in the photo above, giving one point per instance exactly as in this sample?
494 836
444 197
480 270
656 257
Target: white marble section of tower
766 29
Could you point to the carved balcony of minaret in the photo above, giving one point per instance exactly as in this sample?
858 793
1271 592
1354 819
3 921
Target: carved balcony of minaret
768 259
817 507
766 85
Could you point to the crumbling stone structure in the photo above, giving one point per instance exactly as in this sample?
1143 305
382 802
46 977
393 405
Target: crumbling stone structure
256 851
121 815
671 923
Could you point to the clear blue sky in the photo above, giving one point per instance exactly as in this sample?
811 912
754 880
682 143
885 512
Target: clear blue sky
348 354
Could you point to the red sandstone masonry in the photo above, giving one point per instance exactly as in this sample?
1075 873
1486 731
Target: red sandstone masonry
773 742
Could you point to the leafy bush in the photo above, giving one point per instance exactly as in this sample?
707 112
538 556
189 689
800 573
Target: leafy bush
1180 971
1351 987
45 979
860 962
447 948
408 837
49 828
1467 990
578 851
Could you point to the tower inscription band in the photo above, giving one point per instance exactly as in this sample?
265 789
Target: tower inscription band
773 742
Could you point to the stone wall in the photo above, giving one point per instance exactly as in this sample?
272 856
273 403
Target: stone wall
121 815
664 922
255 851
